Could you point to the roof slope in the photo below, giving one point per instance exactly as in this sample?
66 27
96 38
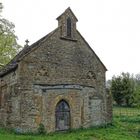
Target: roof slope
13 64
68 9
92 50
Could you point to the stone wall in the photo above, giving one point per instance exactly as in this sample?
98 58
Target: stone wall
9 100
109 116
83 112
61 62
57 68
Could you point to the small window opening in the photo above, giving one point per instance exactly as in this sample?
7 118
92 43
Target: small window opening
68 27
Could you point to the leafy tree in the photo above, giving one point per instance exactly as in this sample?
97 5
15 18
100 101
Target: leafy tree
128 88
122 89
117 90
8 40
137 95
137 90
125 89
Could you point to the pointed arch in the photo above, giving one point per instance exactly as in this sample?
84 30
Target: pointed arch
62 115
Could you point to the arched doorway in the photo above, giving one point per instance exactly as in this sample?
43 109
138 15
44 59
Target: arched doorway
62 115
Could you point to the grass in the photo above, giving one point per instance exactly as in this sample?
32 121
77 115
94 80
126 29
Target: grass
124 127
126 111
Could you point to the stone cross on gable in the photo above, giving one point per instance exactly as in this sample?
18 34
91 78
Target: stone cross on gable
27 43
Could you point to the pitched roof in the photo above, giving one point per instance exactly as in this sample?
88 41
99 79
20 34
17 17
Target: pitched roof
68 9
13 64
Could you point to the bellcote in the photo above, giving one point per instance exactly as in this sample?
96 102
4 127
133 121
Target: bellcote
67 23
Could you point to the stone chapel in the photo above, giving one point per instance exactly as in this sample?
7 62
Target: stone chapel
58 81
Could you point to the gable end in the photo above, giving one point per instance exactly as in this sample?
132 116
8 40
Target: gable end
92 50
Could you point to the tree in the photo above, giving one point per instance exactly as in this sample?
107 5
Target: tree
137 90
125 89
117 90
122 89
128 88
8 40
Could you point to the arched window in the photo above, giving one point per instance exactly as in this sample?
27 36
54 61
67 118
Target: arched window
62 114
68 27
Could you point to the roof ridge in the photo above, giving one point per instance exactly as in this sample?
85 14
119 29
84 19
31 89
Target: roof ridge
65 12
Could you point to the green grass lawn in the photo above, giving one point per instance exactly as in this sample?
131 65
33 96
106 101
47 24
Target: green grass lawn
126 111
124 127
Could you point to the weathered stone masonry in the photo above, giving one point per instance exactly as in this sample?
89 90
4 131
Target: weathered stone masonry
59 67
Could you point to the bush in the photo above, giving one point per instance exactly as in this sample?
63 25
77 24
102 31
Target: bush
41 129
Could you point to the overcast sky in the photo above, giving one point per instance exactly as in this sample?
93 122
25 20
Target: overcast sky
111 27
